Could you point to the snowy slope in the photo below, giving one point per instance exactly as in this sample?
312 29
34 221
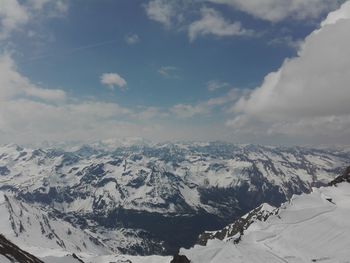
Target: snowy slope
310 228
35 231
10 253
125 194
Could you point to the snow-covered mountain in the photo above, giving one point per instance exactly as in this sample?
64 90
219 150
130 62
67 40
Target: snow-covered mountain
33 228
150 199
309 228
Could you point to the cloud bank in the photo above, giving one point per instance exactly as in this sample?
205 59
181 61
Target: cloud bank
309 95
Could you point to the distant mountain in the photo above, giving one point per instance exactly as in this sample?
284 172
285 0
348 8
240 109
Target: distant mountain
311 227
142 199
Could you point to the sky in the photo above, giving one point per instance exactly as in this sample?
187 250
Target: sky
244 71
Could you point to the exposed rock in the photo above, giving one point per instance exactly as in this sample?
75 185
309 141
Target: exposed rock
14 253
236 230
180 259
345 177
77 258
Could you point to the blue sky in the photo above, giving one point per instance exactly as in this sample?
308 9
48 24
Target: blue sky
179 67
78 50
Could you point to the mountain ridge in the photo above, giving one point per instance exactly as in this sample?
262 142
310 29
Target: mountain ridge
118 194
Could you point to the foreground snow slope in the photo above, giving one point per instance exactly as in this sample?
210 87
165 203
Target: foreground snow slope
310 228
36 232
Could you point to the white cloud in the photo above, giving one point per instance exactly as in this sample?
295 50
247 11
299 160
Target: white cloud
213 23
26 121
16 15
215 85
147 113
52 8
178 14
185 111
160 11
286 41
12 16
333 17
169 72
132 39
112 80
38 4
309 93
170 13
278 10
13 84
29 113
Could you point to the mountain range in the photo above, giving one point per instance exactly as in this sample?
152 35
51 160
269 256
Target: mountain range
144 199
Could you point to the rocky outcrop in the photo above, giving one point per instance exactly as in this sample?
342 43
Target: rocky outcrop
180 259
235 230
345 177
14 253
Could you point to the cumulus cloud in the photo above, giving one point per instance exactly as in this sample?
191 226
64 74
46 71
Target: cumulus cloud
13 84
161 11
278 10
112 80
179 14
12 16
309 93
132 39
333 17
15 15
213 23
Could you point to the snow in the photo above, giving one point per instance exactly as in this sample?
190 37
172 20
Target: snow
308 229
124 258
200 167
166 172
34 231
4 259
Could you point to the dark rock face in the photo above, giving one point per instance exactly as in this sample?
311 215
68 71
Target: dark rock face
345 177
236 229
180 259
77 258
14 253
